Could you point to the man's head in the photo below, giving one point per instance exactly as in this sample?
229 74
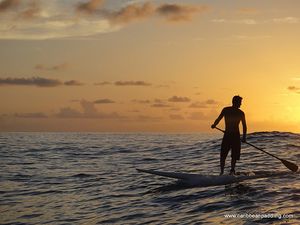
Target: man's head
237 101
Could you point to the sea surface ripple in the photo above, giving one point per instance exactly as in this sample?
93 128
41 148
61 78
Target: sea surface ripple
90 178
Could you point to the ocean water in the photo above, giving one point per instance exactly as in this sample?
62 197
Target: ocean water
90 178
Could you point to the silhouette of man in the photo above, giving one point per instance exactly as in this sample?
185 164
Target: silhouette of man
231 139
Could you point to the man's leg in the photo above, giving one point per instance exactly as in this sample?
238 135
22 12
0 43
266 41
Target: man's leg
223 155
225 147
222 165
233 162
235 154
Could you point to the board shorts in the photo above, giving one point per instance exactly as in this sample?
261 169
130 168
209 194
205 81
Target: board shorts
231 141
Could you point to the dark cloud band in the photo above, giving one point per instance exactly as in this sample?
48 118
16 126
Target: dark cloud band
104 101
179 99
36 81
135 12
9 5
132 83
90 6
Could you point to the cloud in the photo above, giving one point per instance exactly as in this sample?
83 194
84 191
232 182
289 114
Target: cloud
89 111
132 83
90 6
131 13
141 101
37 115
50 20
283 20
103 101
157 100
203 104
170 12
241 21
289 19
8 5
102 83
160 103
179 99
176 12
128 83
294 89
37 81
33 10
73 83
176 117
163 86
54 19
34 81
211 102
28 10
68 112
58 67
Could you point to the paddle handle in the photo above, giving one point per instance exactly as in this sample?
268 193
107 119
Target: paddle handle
253 146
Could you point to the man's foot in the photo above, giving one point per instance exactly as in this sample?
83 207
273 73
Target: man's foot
232 172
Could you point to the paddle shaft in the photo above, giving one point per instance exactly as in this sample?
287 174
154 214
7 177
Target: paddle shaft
255 146
291 166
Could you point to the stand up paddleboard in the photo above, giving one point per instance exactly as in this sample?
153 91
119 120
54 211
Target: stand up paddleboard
204 180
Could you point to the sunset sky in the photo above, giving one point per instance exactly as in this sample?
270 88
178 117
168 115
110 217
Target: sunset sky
159 66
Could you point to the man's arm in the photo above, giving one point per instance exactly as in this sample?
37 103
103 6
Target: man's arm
244 128
218 119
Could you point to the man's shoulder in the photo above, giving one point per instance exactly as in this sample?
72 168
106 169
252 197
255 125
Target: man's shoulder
231 109
241 112
227 108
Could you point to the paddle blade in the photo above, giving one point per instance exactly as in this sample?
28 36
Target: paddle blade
291 166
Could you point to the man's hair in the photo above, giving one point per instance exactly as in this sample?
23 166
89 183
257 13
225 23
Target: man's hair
236 99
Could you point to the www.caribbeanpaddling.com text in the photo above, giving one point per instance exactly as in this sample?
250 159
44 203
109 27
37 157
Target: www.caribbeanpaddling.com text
260 216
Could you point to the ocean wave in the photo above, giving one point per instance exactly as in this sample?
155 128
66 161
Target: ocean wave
67 178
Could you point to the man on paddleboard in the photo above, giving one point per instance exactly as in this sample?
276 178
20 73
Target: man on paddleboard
231 139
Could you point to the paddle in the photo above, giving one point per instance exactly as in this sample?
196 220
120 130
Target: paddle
291 166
